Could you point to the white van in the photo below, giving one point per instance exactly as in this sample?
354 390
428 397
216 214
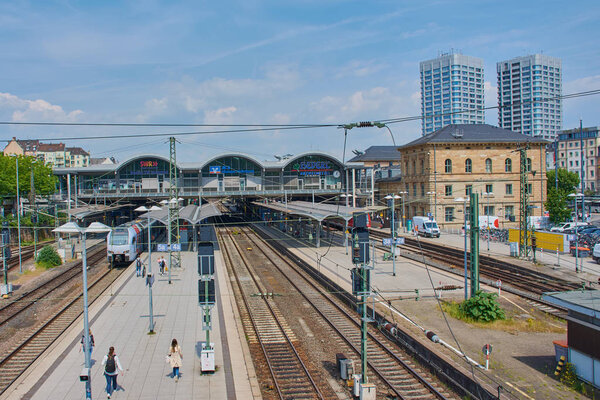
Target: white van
426 226
567 225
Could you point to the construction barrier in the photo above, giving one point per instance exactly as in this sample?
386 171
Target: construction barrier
559 367
545 240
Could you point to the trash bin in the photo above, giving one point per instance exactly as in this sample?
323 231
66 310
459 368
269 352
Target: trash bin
514 249
561 348
409 225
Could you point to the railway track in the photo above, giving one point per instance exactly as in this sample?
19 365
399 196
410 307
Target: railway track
13 364
524 279
25 301
388 365
26 254
290 375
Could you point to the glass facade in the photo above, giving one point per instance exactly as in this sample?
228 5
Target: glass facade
450 84
233 173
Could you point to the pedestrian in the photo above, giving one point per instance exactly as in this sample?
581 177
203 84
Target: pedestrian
91 344
138 267
175 358
161 265
112 366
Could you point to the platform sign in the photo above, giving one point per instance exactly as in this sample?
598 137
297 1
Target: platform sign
162 247
388 241
176 247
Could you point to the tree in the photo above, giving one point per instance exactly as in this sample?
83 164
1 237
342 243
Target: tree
44 179
556 202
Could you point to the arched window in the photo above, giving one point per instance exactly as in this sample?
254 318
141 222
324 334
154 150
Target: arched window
468 165
488 165
448 166
414 167
422 167
528 165
508 165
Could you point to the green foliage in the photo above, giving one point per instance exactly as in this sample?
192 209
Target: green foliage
44 179
482 307
569 377
48 257
556 202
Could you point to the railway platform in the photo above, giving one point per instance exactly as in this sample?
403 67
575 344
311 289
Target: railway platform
120 318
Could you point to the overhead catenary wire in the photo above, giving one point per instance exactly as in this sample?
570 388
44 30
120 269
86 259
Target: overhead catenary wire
266 127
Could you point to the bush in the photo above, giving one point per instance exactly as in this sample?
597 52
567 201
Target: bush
482 307
48 257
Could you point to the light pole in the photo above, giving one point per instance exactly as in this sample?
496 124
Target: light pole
464 200
575 196
150 312
393 229
488 195
402 194
95 227
346 196
429 201
19 216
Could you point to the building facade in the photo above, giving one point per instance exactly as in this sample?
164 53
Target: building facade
577 151
440 169
53 154
524 86
451 83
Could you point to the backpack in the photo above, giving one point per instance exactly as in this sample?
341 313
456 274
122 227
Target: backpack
110 364
139 263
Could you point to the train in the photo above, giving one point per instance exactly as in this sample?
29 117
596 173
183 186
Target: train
126 242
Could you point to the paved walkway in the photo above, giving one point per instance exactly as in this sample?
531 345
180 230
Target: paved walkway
120 319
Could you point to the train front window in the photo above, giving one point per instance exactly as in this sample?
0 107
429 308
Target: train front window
119 238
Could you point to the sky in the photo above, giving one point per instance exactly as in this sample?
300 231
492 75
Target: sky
265 62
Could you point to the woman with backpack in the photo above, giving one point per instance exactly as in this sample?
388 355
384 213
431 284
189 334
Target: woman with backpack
112 366
175 358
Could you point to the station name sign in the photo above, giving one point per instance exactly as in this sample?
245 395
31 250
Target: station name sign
313 168
148 164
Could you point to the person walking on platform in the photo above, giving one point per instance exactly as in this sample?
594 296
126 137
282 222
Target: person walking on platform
175 358
138 267
91 344
112 366
161 265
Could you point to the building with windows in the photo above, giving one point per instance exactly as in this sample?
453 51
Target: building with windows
440 168
577 151
529 90
54 154
21 147
147 175
451 83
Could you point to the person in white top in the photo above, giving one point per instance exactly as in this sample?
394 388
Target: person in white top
112 366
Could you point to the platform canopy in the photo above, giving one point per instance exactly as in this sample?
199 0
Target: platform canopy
191 213
85 211
317 211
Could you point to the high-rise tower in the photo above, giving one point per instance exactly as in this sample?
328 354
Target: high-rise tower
451 83
525 85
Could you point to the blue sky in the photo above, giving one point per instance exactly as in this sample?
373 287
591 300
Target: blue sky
266 62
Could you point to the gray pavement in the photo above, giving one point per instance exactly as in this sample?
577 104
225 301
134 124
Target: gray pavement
120 319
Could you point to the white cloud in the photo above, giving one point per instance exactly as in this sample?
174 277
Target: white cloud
35 110
220 116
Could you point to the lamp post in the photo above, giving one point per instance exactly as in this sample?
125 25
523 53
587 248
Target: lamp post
393 229
575 196
150 312
95 227
464 200
346 196
488 195
19 216
429 202
402 194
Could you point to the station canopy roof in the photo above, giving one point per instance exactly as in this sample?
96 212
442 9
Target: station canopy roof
191 213
586 302
85 211
318 211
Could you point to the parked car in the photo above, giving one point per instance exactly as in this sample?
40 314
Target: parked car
567 225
